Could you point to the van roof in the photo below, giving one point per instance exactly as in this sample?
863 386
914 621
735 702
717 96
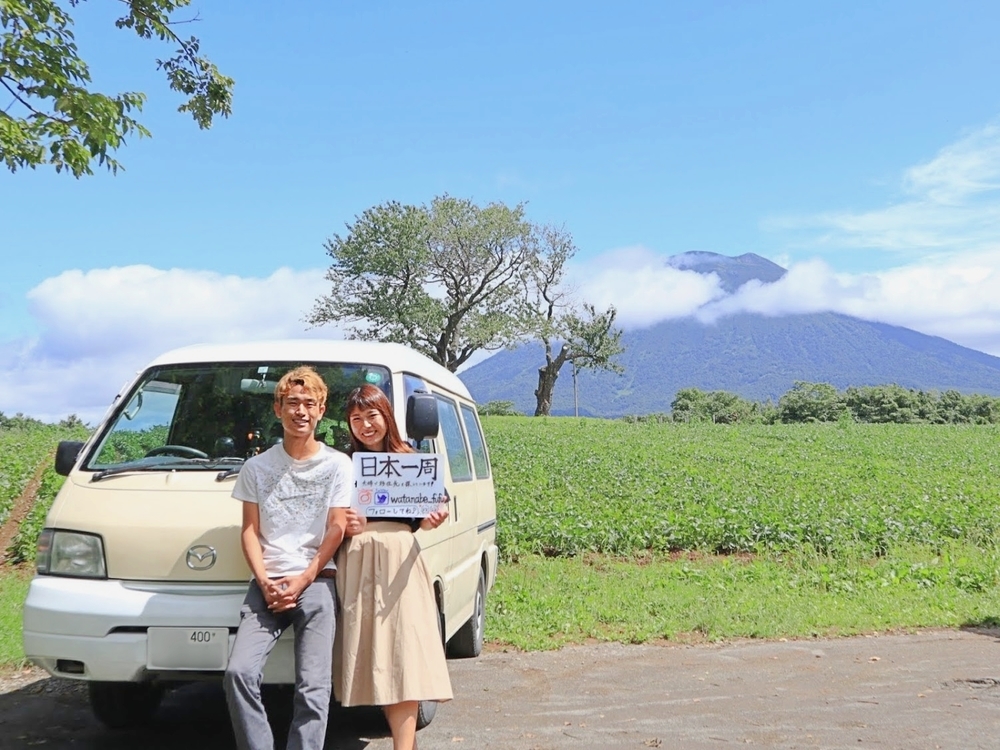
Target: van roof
395 357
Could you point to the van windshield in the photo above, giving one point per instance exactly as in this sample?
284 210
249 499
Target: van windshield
207 416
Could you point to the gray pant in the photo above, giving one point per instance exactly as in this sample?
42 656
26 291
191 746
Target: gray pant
313 621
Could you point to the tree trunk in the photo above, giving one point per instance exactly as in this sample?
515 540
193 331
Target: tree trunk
543 393
547 377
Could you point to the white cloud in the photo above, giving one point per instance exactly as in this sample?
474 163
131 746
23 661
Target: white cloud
97 328
945 231
960 170
641 286
957 298
949 204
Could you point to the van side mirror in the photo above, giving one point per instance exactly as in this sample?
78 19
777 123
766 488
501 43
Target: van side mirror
66 455
421 416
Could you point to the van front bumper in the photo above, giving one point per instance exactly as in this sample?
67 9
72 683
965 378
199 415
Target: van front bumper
97 630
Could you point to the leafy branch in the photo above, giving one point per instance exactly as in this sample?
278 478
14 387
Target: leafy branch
62 121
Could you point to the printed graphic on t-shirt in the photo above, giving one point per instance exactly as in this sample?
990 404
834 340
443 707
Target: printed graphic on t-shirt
296 496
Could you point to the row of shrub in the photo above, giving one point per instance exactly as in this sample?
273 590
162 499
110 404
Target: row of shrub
22 422
816 402
822 402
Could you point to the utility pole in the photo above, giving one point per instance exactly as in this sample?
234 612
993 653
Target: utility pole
576 399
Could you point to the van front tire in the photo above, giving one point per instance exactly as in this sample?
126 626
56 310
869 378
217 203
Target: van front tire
123 705
468 641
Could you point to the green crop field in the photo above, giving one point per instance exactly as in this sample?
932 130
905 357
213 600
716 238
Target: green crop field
568 486
22 451
27 450
631 531
22 548
622 531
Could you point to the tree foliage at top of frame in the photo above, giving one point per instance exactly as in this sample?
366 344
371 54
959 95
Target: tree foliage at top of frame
53 115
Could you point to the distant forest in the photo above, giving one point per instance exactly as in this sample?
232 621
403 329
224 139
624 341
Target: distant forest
820 402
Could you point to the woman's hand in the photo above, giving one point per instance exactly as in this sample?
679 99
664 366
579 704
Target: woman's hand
435 519
355 523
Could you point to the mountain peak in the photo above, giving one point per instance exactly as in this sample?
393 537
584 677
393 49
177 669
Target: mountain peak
733 272
752 355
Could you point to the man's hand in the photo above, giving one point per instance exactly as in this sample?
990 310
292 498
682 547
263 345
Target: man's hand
282 594
272 592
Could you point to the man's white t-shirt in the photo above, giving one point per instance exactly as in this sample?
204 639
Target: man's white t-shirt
294 497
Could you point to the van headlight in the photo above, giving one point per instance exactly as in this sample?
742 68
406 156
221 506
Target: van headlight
70 553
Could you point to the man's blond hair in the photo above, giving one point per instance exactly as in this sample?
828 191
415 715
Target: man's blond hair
305 376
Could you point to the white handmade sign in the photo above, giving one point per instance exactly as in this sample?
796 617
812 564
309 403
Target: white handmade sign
409 485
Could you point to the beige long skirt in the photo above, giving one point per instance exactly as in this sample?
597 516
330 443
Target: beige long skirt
387 647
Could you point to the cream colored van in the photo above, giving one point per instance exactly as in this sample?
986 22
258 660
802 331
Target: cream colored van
140 571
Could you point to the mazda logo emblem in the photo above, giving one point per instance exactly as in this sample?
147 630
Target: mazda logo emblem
201 557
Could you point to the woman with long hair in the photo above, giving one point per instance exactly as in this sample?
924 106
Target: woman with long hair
389 651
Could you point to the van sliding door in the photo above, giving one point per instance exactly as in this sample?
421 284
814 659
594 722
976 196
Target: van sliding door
464 563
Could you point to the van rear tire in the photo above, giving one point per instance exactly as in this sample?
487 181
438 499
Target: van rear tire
467 643
425 713
123 705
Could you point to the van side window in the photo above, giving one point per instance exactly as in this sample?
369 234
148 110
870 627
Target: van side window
476 442
454 443
412 383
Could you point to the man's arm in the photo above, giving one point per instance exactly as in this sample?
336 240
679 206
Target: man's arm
336 524
336 528
254 553
250 540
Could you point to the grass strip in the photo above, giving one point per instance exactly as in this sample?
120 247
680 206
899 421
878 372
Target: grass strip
544 603
13 590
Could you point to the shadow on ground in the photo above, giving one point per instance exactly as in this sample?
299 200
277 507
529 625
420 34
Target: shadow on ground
55 713
989 626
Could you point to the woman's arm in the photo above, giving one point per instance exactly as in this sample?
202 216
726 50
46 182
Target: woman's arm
433 520
356 522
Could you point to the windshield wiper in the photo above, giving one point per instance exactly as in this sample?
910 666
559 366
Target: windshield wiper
231 472
222 475
178 464
105 473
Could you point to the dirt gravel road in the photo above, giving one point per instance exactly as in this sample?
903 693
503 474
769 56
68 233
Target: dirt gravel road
936 689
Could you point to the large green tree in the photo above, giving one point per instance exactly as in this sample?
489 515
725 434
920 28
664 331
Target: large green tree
719 407
446 278
569 331
811 402
54 116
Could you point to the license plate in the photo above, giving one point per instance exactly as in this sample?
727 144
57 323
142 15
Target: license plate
187 648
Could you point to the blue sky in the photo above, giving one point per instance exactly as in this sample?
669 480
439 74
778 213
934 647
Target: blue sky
856 143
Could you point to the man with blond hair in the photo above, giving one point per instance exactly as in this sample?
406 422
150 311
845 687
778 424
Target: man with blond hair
295 496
